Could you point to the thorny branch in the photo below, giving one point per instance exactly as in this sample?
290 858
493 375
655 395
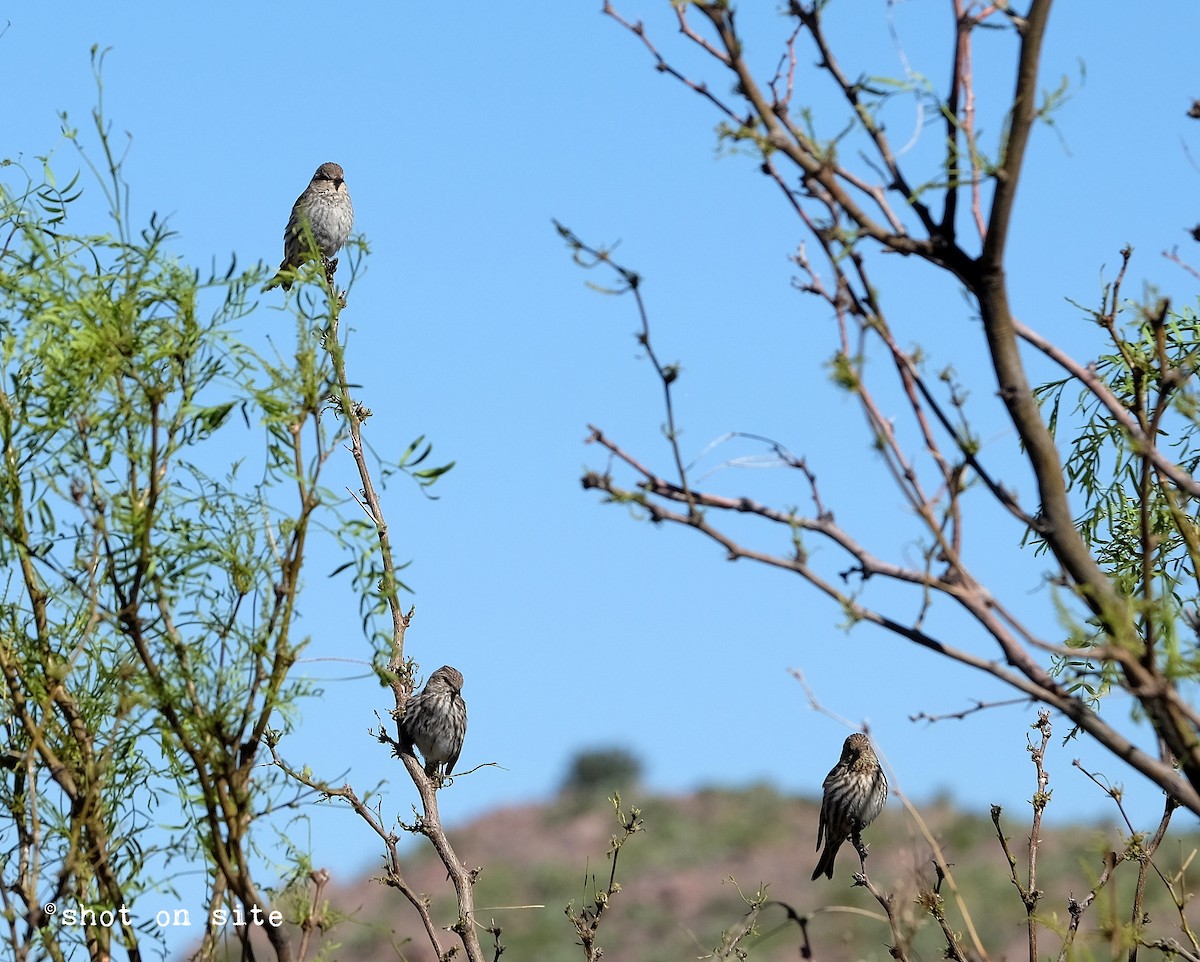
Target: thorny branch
399 678
586 921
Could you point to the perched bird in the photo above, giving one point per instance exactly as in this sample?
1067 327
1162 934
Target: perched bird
436 720
325 207
855 790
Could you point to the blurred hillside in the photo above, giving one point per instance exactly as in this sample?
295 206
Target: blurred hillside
684 877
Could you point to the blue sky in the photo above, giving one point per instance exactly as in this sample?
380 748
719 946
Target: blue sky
463 131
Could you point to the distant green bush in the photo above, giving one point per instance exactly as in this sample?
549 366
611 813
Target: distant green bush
603 770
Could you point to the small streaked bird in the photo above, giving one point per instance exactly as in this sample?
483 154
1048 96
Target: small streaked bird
435 721
325 206
855 790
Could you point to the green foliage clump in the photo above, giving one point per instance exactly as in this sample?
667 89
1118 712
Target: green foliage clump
601 770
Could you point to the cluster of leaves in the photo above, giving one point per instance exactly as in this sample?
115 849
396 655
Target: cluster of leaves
158 483
1143 526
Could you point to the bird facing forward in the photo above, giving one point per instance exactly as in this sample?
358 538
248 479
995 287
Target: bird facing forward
436 721
855 790
326 209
